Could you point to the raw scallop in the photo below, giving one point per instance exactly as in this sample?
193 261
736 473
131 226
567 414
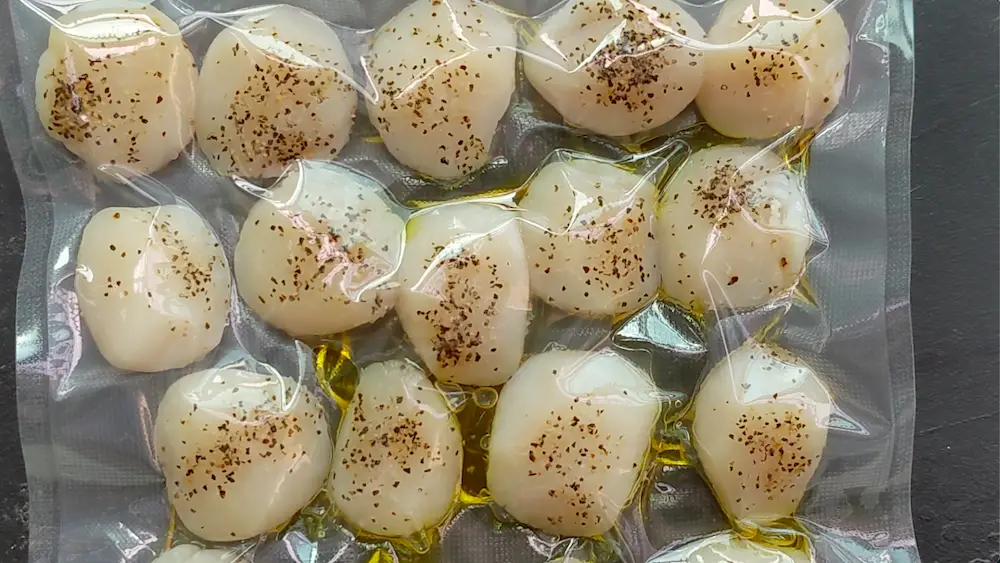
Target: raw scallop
398 459
463 298
275 86
760 426
780 65
153 286
443 71
567 446
733 227
617 67
317 256
241 452
588 231
728 548
117 87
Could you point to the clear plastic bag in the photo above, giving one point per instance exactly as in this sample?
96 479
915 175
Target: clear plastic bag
449 280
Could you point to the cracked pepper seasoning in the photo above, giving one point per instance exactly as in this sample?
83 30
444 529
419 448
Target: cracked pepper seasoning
617 68
443 74
241 452
760 426
153 286
275 86
116 87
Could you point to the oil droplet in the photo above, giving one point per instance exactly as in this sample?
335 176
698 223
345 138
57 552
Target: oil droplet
382 555
673 407
454 394
419 543
401 549
475 422
336 372
484 442
782 533
670 453
485 397
481 498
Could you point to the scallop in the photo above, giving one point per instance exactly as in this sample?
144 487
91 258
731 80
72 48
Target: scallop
398 459
153 286
241 452
588 231
116 86
777 65
569 440
760 426
443 73
617 68
727 548
464 297
194 554
275 86
734 227
318 255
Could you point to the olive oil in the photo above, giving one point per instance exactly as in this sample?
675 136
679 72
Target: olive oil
475 420
786 532
338 377
670 453
335 371
413 548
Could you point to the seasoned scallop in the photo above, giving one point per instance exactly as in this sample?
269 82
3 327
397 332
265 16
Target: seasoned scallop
398 460
617 68
733 227
569 439
275 86
463 298
443 73
194 554
779 65
153 286
241 452
588 231
760 426
117 86
318 255
727 548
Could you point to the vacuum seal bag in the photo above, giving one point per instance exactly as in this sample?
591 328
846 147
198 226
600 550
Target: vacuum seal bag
463 281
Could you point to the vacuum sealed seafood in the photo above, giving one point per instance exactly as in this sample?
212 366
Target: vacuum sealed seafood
582 281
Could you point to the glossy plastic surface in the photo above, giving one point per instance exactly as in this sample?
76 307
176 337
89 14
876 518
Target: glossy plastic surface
446 280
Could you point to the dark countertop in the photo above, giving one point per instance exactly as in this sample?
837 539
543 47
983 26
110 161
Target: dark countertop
955 297
955 203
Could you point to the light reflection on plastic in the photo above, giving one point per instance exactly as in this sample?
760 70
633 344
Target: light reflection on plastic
272 46
62 260
763 9
27 344
301 550
843 422
114 27
129 543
